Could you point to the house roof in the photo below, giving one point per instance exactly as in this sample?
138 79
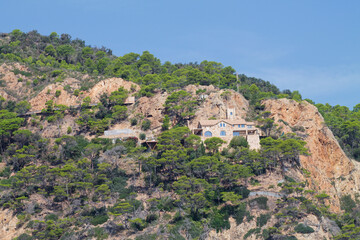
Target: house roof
228 121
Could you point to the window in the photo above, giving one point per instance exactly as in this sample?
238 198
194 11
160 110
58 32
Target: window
242 125
236 133
249 126
238 125
222 125
230 113
208 134
222 133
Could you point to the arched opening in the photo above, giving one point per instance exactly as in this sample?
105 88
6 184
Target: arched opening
208 134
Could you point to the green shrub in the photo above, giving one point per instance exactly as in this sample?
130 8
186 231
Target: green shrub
289 179
146 124
5 172
254 182
147 237
51 119
55 73
287 124
151 217
251 232
133 121
59 79
237 212
298 128
100 219
347 203
302 228
142 136
76 92
262 219
166 216
52 217
57 93
240 213
67 88
20 79
261 202
99 233
194 229
290 238
166 123
137 224
177 218
17 71
69 130
265 234
24 236
165 204
219 222
238 141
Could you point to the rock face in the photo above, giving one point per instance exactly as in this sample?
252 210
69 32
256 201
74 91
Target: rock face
108 86
12 88
48 93
331 170
8 229
69 99
215 104
151 108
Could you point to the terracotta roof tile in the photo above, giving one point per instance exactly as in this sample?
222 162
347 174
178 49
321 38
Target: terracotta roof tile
228 121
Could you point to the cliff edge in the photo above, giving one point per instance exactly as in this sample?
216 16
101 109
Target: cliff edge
331 170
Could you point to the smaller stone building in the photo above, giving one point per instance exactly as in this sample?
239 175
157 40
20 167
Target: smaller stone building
121 134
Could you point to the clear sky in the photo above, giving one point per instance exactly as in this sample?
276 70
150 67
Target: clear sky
310 46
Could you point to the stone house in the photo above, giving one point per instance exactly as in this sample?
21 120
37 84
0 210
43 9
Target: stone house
228 128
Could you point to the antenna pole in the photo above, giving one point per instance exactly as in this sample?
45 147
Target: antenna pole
237 81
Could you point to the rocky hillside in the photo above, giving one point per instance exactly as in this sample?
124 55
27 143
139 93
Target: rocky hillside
331 170
63 177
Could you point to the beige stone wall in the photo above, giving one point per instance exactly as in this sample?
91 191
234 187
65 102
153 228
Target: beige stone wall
216 129
254 141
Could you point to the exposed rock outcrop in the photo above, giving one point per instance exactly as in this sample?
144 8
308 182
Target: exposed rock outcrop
48 93
331 170
8 229
13 88
151 108
69 99
108 86
215 104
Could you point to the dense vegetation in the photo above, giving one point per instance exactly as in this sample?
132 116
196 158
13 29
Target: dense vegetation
345 124
69 187
48 53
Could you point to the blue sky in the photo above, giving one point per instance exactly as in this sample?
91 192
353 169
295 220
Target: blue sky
310 46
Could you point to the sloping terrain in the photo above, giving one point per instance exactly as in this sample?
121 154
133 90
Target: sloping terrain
61 177
327 162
